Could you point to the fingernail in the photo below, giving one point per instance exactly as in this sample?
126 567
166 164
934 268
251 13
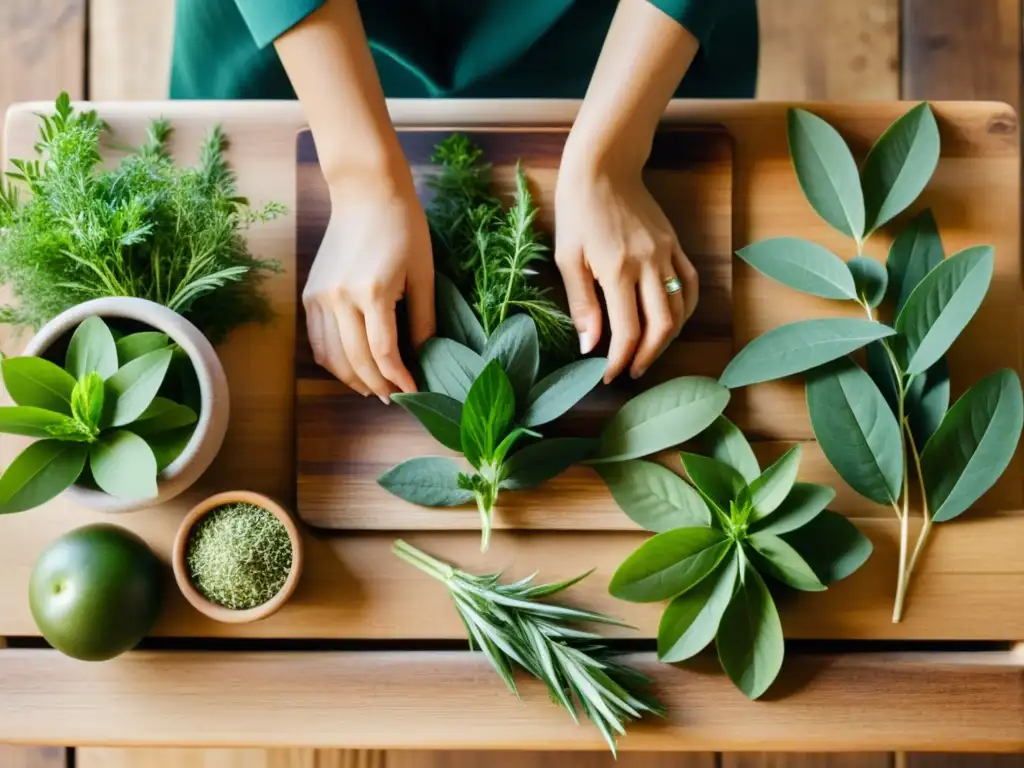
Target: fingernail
635 374
587 342
385 399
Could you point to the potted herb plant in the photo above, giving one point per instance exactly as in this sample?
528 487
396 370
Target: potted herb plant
237 557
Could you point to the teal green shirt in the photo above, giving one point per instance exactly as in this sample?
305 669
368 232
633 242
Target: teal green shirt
454 48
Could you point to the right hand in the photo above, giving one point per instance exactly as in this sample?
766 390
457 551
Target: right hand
376 251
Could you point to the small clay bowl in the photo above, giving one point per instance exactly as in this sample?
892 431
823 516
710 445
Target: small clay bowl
181 572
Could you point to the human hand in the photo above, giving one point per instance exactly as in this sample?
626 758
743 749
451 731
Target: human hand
376 250
608 228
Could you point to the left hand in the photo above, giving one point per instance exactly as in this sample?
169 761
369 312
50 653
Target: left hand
608 228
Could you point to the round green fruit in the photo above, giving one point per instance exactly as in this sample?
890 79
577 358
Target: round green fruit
96 592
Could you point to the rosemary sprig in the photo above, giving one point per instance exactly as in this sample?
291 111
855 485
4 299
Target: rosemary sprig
509 624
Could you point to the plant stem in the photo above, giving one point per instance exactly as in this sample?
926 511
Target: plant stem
904 517
429 565
486 513
922 537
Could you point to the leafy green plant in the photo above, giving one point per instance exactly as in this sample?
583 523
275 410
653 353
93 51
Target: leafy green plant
99 419
486 406
510 625
882 427
716 541
144 228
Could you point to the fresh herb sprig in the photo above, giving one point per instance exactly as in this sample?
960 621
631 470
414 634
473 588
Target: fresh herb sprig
510 625
882 427
144 228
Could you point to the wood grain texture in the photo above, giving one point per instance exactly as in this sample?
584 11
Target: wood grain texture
33 757
130 49
958 50
229 758
449 700
964 761
836 51
525 759
814 760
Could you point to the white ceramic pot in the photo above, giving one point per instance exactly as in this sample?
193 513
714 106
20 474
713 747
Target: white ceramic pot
213 387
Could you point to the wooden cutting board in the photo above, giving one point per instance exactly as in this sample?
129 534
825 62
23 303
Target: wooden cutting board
344 442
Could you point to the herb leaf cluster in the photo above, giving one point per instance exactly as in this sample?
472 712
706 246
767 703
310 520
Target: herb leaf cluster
144 228
717 538
881 427
99 419
510 625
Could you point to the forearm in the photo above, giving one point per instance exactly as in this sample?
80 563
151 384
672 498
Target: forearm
641 65
328 61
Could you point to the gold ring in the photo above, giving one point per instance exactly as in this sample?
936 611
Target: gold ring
673 286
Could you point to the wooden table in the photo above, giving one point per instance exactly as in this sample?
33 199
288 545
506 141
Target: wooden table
346 670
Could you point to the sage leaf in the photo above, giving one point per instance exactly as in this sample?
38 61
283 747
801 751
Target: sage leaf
559 391
942 304
726 443
802 265
798 347
927 401
669 564
827 172
123 465
33 422
449 368
654 497
973 445
87 399
40 472
440 414
487 415
515 346
856 430
880 369
899 165
132 388
168 446
719 483
784 562
429 481
915 252
832 545
91 349
691 620
774 484
805 502
871 279
138 344
456 320
665 415
162 415
749 640
536 464
39 383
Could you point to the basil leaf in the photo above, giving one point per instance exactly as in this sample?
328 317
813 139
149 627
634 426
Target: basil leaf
456 320
536 464
774 484
727 444
449 368
927 401
691 620
665 415
871 279
168 446
832 545
720 483
749 640
559 391
123 465
803 504
826 172
899 165
39 383
669 564
509 442
802 265
439 413
942 305
654 497
162 415
784 562
487 415
132 388
91 349
915 252
139 344
515 346
429 481
856 430
40 472
973 445
87 399
798 347
33 422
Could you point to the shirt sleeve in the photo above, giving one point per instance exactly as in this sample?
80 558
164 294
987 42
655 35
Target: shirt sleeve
269 19
698 16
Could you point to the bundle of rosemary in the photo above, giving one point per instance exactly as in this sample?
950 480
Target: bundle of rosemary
145 228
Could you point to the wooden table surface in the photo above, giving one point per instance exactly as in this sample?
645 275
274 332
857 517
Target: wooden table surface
325 692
